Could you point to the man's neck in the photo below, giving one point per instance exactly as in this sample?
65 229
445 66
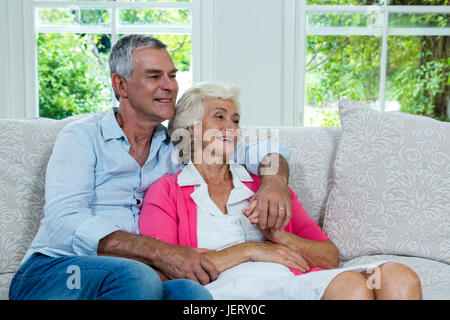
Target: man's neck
137 131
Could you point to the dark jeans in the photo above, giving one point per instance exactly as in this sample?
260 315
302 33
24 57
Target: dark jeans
97 277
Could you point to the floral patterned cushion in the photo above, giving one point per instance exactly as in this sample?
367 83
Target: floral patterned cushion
25 147
392 185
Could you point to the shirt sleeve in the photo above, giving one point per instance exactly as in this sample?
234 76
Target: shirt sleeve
251 154
69 190
158 217
302 224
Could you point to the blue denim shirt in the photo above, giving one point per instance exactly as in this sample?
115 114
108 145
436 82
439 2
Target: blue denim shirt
95 187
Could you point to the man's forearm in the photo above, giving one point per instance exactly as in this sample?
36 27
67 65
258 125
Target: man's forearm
272 165
128 245
174 261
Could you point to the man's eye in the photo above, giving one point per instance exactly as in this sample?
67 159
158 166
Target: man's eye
236 121
219 116
173 76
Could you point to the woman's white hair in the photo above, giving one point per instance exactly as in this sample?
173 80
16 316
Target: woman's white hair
189 108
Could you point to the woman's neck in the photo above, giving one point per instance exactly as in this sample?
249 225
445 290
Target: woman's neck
214 174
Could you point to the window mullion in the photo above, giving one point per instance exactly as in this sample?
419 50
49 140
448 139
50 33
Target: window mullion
384 49
300 96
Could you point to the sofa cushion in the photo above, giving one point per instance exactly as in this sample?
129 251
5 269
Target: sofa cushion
313 151
25 147
434 276
391 193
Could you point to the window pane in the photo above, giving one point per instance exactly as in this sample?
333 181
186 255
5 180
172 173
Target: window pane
175 17
418 75
369 19
339 67
418 2
343 2
415 20
73 74
151 0
121 0
74 16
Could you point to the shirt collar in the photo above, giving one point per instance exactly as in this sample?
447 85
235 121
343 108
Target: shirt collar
190 176
111 129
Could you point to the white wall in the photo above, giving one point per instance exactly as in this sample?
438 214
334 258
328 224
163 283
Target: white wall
17 62
249 52
4 59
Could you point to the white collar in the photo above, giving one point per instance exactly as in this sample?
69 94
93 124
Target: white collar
190 176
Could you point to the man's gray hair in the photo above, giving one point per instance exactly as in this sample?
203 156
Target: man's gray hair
189 107
121 59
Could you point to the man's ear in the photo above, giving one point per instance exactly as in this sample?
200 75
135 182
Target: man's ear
119 85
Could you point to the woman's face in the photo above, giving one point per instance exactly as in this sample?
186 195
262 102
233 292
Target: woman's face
220 130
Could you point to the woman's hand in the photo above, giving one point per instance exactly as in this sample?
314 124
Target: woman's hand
275 235
277 253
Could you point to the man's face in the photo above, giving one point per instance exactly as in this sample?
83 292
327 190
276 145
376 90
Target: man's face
152 88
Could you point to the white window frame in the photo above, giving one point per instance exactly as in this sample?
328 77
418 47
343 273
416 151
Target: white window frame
296 12
32 30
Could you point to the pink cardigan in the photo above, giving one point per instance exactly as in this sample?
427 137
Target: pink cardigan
170 214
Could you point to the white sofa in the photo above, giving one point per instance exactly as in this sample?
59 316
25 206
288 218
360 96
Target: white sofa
341 193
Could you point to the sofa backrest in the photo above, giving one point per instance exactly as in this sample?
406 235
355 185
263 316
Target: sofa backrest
313 150
26 145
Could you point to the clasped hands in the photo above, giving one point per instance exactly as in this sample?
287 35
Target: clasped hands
270 208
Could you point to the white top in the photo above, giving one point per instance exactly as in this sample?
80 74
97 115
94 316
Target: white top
216 230
248 280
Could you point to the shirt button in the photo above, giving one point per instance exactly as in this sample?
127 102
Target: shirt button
138 202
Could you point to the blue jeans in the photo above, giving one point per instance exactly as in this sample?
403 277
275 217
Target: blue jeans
97 277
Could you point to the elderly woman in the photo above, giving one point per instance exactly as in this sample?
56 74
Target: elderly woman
202 206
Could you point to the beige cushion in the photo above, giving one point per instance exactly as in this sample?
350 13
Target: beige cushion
25 147
313 151
392 185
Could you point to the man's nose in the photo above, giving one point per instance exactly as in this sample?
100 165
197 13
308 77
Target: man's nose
169 84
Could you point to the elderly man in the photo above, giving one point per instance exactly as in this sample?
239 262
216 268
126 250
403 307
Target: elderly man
88 245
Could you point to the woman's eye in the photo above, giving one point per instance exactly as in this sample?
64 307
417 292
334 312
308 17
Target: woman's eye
219 116
236 121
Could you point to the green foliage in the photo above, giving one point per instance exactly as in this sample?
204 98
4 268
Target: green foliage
72 79
349 66
330 118
73 72
415 88
72 68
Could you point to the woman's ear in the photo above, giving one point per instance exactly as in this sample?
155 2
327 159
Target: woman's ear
119 85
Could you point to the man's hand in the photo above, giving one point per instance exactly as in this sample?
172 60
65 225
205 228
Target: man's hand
270 207
175 262
178 262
